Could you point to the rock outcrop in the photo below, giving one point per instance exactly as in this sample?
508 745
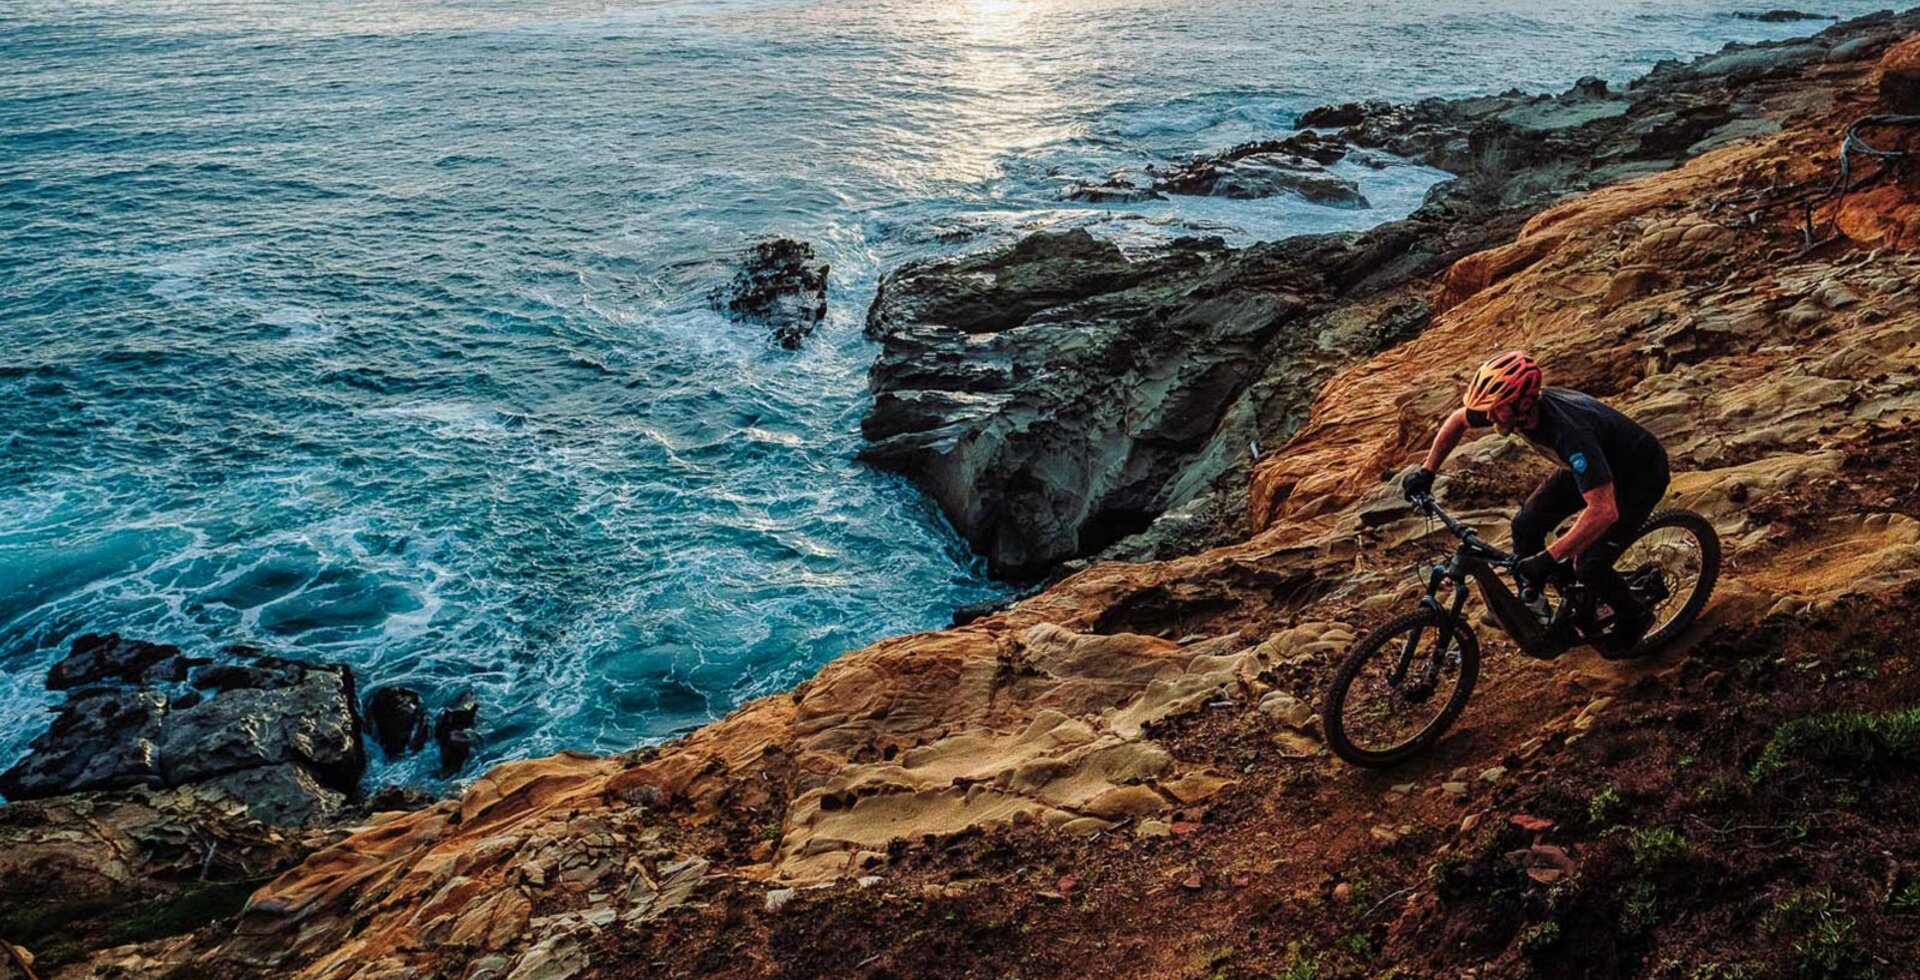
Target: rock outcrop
782 286
280 736
1296 165
396 720
1059 398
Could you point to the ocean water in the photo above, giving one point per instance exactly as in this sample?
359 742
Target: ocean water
376 331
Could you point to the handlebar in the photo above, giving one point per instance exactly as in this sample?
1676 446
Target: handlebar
1425 503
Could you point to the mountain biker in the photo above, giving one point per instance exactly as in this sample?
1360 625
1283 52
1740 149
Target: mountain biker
1609 470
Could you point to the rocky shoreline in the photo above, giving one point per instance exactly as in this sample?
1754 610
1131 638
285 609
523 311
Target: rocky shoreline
1042 791
1061 400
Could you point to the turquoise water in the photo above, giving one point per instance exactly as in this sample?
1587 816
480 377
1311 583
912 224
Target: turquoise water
376 332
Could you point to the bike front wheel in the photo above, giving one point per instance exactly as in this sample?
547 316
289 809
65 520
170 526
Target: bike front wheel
1398 692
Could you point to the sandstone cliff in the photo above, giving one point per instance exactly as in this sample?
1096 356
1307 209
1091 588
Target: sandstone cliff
1121 776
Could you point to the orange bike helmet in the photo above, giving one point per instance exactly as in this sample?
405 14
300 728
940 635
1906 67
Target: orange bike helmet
1509 379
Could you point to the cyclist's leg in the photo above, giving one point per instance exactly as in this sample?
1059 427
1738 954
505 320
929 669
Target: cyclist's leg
1594 566
1554 500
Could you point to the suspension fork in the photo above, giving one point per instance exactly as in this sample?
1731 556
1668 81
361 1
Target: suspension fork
1448 616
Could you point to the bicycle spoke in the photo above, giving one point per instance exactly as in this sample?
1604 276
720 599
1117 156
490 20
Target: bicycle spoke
1400 692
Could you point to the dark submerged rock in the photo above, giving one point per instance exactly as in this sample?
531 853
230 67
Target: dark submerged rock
782 286
453 731
1780 16
1111 192
397 720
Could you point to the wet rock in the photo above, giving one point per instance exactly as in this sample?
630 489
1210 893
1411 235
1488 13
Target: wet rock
1780 16
1342 115
99 740
281 736
1258 170
782 286
1111 192
980 610
109 657
285 795
453 731
297 714
396 720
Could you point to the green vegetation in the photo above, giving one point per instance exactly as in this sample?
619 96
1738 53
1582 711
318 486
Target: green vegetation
1301 965
1853 738
1539 937
1639 907
1604 809
1359 944
1824 940
1652 849
1721 790
1907 899
1727 971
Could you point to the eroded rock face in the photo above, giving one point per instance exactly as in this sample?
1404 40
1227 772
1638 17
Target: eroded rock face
782 286
1049 394
279 735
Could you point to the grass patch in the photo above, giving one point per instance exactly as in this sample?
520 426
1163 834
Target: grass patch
1605 808
1824 940
1852 738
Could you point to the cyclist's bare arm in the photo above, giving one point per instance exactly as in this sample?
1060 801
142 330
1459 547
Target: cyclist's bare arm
1448 437
1600 513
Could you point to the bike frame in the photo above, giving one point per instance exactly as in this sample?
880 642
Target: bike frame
1481 562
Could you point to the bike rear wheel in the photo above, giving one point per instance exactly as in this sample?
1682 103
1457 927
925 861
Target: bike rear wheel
1674 562
1397 693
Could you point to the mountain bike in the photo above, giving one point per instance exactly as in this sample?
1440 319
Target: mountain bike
1405 683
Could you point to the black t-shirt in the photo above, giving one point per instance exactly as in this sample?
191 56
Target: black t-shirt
1594 441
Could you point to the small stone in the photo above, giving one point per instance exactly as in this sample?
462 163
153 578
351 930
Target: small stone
867 881
1343 893
1184 827
1470 821
1493 774
1386 836
1193 882
1152 828
1290 711
1066 883
1406 789
760 852
778 898
1531 824
1455 789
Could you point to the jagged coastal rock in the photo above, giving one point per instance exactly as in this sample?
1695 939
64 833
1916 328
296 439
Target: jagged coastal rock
282 737
396 720
1295 165
782 286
